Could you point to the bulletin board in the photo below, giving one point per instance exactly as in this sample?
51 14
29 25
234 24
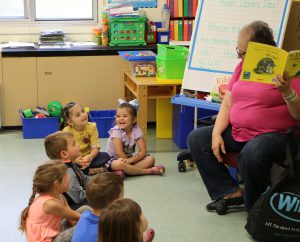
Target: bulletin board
212 51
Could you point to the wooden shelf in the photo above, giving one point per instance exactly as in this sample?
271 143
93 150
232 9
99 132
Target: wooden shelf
145 88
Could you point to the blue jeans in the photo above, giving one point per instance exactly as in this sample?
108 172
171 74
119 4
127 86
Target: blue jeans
254 160
98 161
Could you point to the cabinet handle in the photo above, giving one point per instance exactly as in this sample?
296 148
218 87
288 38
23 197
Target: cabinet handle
48 73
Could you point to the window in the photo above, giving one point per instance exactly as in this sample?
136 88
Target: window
12 9
64 10
48 10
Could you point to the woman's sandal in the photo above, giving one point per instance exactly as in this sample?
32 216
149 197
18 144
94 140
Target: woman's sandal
157 170
225 203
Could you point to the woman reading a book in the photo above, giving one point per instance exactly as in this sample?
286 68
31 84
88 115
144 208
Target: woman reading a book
252 122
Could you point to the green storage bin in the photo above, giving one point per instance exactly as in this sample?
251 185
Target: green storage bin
127 31
170 68
172 52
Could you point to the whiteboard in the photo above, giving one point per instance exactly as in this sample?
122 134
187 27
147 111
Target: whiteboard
212 54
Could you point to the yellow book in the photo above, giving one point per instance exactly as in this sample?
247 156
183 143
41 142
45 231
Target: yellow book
262 63
180 8
176 36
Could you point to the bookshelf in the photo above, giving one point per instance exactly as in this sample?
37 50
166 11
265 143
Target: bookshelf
182 17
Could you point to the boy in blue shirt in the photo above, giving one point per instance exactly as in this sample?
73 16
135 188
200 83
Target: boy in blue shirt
102 190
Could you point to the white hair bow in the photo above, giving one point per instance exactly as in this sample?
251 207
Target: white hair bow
135 103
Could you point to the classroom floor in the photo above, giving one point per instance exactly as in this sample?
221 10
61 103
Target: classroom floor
174 203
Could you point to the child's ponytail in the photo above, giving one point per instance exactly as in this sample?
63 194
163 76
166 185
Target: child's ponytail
65 115
43 181
24 213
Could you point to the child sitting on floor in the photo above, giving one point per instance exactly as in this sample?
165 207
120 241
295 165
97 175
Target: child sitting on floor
123 221
42 219
102 190
85 133
124 137
62 146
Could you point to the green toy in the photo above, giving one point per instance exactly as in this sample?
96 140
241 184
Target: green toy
54 109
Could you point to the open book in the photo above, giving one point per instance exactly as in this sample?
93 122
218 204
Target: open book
262 63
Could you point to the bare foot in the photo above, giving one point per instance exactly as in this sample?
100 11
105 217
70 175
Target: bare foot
157 170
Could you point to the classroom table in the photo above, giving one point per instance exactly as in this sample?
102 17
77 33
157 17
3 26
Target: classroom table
144 88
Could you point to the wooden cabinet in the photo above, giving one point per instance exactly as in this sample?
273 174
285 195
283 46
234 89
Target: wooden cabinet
93 81
19 88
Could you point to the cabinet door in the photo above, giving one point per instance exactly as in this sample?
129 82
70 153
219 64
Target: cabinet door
19 88
93 81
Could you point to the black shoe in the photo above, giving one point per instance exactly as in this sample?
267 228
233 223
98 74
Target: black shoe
224 204
211 207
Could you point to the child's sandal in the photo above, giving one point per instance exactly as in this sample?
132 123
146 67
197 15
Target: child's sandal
157 170
120 174
95 171
148 235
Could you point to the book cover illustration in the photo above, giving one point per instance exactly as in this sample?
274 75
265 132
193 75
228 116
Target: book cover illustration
293 64
220 86
262 63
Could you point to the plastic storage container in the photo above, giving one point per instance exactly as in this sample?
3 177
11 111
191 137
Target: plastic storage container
104 120
165 16
143 68
124 31
183 122
163 37
170 69
172 52
39 127
171 61
138 55
142 63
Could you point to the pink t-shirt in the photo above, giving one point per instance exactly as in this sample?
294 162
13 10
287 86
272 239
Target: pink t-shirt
257 108
40 226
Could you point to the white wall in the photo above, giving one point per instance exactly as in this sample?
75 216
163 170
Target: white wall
28 32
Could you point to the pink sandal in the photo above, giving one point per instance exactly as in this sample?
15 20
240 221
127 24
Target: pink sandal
157 170
148 235
120 174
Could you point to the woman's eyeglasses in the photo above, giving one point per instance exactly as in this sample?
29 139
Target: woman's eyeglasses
240 53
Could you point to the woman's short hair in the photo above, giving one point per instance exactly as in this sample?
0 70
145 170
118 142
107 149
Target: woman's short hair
260 32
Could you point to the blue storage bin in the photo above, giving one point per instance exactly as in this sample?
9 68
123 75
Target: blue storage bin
183 122
39 127
104 120
138 55
163 37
